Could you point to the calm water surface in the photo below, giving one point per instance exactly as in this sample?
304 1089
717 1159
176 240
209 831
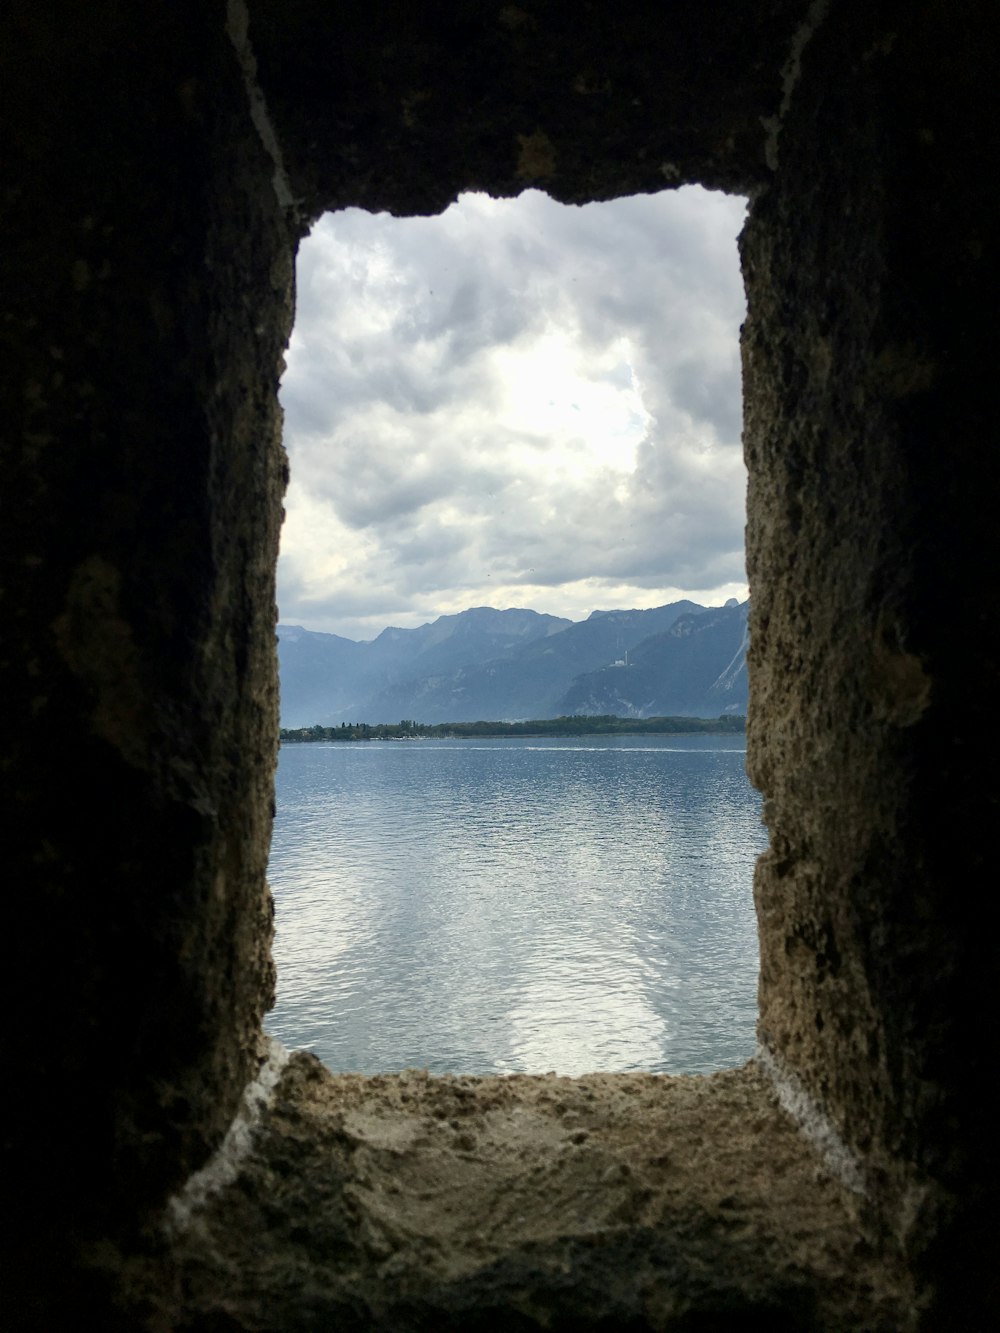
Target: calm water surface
495 906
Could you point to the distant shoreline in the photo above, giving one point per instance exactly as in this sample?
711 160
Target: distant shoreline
603 725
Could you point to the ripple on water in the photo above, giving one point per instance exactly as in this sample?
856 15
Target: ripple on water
517 907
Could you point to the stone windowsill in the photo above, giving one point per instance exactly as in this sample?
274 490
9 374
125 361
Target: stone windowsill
613 1200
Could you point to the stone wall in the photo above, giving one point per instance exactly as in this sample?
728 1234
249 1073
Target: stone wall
146 305
872 478
153 194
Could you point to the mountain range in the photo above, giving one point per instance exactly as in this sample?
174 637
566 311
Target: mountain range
483 664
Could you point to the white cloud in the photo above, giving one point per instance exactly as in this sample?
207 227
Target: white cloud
515 403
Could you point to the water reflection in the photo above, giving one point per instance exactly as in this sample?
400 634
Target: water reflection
490 907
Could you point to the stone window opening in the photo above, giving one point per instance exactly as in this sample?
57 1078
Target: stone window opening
645 288
454 1194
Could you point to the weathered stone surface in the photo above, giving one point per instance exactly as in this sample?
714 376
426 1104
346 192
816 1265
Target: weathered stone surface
146 303
863 426
401 107
411 1202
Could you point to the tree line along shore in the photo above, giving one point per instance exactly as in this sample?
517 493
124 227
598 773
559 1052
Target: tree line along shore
604 725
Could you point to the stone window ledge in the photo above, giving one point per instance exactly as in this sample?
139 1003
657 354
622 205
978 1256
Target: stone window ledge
634 1201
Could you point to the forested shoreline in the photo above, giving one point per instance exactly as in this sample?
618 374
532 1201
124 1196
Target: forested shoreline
604 725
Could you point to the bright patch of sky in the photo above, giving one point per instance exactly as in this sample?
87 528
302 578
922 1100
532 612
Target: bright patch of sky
516 403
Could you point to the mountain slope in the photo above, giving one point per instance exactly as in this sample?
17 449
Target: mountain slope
489 665
695 668
326 679
476 635
319 674
527 683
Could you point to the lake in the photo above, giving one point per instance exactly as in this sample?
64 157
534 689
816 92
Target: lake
517 905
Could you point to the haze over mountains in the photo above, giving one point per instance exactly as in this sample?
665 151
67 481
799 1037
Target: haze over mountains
482 664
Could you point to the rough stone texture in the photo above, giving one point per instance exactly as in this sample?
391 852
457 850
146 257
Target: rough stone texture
869 527
400 106
145 308
149 231
409 1202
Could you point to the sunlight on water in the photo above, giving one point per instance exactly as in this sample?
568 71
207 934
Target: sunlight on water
492 907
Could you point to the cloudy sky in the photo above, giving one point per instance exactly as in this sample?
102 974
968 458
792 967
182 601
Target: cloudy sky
514 404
